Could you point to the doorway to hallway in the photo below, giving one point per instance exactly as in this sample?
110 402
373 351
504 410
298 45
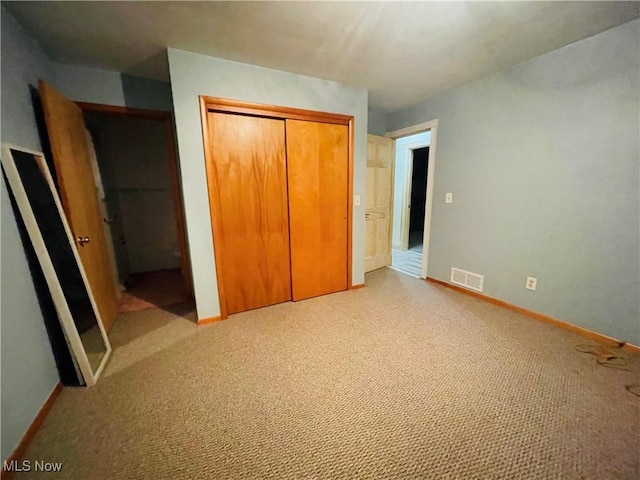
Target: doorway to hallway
410 202
418 197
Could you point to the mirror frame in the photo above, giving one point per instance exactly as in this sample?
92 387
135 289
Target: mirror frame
59 300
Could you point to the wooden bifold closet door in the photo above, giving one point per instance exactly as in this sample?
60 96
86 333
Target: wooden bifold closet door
278 191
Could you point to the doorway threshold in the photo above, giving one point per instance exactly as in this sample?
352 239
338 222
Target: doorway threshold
408 262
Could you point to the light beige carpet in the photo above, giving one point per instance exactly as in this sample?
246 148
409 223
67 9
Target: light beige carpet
401 379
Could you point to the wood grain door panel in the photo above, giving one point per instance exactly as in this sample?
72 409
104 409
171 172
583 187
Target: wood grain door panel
318 175
248 196
380 154
79 195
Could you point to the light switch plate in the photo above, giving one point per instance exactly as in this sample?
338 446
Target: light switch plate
356 200
448 198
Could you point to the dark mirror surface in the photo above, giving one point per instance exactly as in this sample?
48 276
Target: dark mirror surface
64 262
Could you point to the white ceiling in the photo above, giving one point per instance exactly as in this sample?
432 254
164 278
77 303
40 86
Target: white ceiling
403 52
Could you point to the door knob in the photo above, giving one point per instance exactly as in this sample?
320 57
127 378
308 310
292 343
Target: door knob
83 240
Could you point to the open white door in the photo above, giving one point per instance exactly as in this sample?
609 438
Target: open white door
380 154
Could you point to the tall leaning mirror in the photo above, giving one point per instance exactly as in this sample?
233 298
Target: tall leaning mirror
37 199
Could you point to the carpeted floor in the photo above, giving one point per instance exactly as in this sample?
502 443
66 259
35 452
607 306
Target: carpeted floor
401 379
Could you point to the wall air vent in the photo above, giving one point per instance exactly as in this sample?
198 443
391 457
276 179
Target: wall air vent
469 280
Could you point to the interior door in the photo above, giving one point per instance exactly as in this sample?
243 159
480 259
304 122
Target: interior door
78 192
380 153
248 197
318 176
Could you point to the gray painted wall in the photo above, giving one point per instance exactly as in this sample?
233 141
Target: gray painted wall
377 122
93 85
543 163
193 75
29 372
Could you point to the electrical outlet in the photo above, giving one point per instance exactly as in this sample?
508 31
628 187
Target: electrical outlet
448 198
532 283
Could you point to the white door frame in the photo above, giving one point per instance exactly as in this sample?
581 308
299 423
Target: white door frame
404 132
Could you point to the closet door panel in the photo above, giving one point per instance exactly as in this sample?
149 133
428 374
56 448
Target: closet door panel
248 194
318 175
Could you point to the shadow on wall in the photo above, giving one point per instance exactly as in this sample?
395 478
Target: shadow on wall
139 88
61 353
146 93
38 114
154 66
